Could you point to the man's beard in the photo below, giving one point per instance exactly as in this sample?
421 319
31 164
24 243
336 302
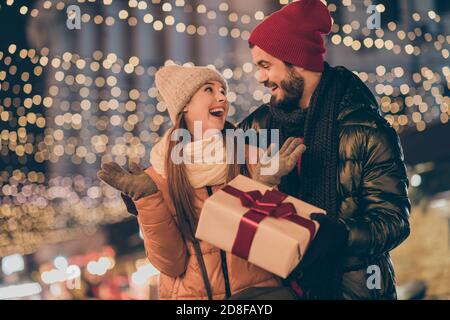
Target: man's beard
293 89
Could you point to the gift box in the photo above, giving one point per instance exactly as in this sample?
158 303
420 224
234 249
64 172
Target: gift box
260 224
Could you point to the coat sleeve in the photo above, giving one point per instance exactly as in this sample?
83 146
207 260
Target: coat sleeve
164 244
382 222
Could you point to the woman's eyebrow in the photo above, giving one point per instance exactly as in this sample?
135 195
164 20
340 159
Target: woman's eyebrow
212 84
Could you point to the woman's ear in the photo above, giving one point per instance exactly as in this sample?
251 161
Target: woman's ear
185 109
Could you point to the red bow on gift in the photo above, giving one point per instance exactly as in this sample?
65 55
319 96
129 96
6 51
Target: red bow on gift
270 204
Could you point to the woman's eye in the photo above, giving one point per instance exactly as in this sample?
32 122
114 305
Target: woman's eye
209 89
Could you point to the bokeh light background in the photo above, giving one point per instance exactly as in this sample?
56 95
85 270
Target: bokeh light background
73 99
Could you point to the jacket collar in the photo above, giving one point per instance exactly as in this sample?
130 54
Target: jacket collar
357 96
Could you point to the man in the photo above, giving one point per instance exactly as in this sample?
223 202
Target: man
353 165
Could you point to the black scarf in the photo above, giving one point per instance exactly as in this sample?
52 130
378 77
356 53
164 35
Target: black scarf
319 166
320 161
318 125
292 123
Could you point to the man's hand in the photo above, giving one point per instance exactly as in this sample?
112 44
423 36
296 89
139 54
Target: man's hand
136 184
316 272
288 156
331 239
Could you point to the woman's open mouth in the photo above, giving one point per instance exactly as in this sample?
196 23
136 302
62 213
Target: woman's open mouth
217 112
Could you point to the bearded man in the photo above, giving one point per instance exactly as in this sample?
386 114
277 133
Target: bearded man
353 165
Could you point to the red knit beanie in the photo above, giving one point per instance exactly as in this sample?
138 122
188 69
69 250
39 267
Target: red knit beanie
294 34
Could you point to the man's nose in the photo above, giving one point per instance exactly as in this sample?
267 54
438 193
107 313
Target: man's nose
261 76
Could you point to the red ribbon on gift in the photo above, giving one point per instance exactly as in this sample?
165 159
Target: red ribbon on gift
261 206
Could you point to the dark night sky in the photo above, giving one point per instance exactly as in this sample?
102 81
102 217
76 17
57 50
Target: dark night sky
12 25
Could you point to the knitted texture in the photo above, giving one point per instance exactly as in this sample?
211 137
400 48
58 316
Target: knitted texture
294 34
177 84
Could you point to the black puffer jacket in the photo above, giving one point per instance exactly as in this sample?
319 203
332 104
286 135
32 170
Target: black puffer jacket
372 192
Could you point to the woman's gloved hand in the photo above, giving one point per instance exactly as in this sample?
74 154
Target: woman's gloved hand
288 156
136 184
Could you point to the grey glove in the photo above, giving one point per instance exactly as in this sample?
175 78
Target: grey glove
287 158
136 184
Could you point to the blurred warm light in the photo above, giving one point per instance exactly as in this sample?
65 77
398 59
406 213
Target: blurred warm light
20 290
12 263
144 272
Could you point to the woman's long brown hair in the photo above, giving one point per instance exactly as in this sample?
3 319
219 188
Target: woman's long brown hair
180 189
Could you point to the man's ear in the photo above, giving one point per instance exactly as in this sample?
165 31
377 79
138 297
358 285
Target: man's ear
299 70
307 73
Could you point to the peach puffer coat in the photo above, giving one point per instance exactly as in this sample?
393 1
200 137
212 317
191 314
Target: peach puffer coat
165 248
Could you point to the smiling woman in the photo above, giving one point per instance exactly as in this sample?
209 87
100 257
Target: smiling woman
209 106
168 215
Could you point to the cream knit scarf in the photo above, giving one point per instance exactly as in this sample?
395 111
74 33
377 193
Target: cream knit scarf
206 168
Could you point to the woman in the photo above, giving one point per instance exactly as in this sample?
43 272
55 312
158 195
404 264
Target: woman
169 196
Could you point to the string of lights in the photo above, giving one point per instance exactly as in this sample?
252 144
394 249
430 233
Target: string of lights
245 19
426 78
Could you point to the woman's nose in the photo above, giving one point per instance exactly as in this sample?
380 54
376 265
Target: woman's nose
221 97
